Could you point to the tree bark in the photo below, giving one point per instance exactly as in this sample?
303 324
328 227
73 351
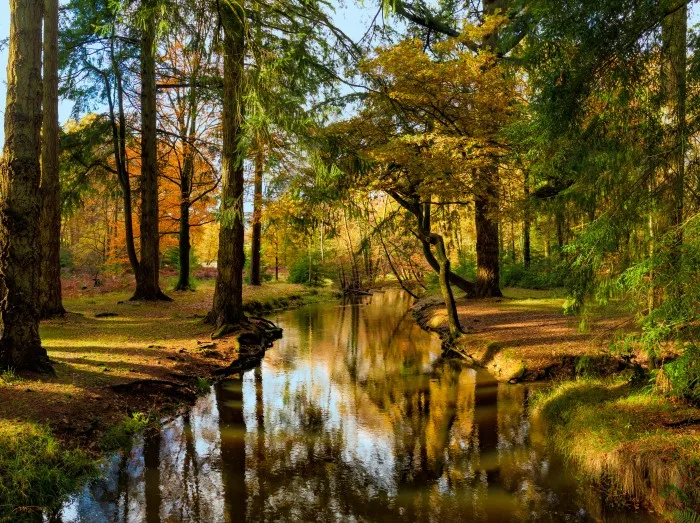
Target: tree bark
486 219
51 303
527 255
257 218
148 273
424 228
227 308
186 175
20 201
674 63
445 288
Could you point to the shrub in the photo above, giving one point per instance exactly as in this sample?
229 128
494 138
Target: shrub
308 270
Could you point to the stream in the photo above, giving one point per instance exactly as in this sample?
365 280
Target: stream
352 416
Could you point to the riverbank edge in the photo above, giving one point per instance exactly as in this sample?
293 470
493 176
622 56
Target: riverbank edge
67 463
504 365
636 470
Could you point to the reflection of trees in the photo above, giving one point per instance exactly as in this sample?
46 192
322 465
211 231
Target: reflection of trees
229 399
352 416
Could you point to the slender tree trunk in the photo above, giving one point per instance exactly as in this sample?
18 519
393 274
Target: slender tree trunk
50 302
20 202
257 218
424 228
445 288
527 256
674 63
147 276
184 246
227 310
486 220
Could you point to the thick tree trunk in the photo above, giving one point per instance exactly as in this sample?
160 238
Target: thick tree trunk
20 202
257 218
50 302
486 220
227 309
147 275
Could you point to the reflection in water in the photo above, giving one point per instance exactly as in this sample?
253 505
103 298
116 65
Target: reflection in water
353 415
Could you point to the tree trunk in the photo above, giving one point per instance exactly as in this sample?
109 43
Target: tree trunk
445 288
228 295
186 175
673 65
20 202
50 303
147 275
257 218
527 255
183 281
424 228
486 220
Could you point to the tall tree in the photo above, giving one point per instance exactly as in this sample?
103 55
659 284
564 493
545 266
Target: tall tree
256 234
20 201
148 271
51 303
227 309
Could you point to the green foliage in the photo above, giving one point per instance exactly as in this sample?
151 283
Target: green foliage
308 270
203 385
120 436
36 472
171 258
541 274
683 375
9 377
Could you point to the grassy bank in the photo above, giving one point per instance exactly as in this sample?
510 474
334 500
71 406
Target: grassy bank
638 444
110 359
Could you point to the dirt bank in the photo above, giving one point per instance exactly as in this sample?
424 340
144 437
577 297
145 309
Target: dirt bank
526 337
112 359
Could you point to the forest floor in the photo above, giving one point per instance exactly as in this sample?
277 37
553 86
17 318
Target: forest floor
525 336
640 446
106 351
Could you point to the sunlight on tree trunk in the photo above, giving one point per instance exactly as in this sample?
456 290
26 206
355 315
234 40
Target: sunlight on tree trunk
227 310
20 201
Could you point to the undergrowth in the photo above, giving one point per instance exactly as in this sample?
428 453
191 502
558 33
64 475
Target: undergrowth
36 472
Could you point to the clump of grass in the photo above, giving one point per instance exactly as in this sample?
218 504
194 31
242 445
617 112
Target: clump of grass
36 472
626 437
203 385
120 437
8 377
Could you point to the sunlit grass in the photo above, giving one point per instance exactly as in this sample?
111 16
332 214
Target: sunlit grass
625 436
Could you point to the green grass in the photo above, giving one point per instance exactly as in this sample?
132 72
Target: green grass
120 437
618 435
36 472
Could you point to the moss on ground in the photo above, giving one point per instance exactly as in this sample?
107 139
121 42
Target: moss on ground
636 442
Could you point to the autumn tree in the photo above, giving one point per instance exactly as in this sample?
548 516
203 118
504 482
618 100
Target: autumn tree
20 201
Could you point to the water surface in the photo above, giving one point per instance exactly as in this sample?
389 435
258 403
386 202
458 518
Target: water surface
352 416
